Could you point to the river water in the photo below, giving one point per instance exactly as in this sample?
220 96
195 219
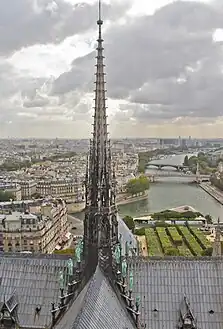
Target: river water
173 193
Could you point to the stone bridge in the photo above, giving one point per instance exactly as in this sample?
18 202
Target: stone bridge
178 174
160 166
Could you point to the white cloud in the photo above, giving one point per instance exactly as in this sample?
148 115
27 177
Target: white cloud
36 66
218 35
52 60
142 7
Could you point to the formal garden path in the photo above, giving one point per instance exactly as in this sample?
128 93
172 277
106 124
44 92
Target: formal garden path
143 245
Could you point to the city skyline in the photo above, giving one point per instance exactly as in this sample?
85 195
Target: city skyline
163 87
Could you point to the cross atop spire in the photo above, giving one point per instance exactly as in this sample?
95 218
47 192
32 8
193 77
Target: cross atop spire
100 224
99 22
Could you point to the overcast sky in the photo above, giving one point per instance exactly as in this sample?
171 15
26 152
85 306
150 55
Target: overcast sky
164 62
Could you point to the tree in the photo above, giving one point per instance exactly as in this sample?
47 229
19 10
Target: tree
140 231
128 220
36 195
137 185
141 169
160 223
186 161
209 219
217 181
207 252
6 196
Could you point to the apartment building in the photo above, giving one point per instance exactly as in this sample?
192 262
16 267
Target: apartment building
214 157
68 189
28 188
13 188
36 233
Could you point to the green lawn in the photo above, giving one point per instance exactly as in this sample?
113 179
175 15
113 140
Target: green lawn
164 238
176 238
201 238
152 243
195 246
175 234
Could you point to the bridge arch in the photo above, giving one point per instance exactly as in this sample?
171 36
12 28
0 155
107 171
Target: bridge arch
170 167
166 165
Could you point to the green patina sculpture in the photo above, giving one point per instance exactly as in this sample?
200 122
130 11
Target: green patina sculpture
127 248
61 280
78 252
124 268
131 281
70 266
118 254
137 301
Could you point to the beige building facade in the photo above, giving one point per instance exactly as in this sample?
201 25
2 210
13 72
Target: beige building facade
36 233
68 189
13 188
28 188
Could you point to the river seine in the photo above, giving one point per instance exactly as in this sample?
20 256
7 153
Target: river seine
173 193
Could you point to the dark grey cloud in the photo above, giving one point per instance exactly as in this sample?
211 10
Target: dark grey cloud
165 65
81 76
11 82
36 102
29 22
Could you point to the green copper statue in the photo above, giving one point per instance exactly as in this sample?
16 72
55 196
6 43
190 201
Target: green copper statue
78 252
124 268
118 254
127 248
137 301
61 280
131 281
70 266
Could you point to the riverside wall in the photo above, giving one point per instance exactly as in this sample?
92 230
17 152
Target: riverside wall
213 192
78 207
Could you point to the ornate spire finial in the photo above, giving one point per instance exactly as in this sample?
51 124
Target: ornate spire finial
99 22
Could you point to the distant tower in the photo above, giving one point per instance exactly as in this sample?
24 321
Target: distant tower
189 141
220 167
100 223
217 241
198 178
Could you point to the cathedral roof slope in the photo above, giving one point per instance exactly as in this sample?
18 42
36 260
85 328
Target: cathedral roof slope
97 307
163 285
127 235
28 283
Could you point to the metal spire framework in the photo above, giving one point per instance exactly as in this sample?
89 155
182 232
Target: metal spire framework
100 223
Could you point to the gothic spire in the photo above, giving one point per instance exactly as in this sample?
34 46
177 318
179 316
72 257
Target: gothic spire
100 225
100 120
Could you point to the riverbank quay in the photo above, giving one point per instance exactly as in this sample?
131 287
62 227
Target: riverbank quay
122 199
131 199
212 191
